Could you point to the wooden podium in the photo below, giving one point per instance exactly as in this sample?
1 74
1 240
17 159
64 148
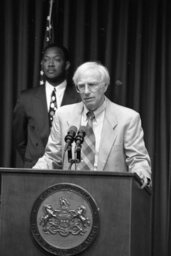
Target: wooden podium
124 212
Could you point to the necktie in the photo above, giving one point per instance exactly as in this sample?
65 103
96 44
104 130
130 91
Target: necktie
53 106
88 147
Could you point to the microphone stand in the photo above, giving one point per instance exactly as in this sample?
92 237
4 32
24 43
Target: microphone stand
78 154
70 160
76 159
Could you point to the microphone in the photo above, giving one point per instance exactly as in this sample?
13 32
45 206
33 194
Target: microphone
80 137
78 142
69 138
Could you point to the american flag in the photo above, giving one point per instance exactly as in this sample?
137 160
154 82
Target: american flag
49 34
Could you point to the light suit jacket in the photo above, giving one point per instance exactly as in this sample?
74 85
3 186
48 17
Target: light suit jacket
122 145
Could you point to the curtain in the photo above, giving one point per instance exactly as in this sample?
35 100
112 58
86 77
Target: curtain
133 40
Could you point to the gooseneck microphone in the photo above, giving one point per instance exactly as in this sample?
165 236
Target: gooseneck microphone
79 139
69 138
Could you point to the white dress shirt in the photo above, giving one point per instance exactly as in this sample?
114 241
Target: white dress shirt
60 89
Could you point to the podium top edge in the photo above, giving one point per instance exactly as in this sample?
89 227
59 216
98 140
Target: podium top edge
67 172
4 171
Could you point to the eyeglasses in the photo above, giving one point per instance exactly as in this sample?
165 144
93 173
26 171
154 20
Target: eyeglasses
91 86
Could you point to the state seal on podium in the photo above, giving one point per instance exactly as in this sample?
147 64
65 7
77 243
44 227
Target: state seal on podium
64 219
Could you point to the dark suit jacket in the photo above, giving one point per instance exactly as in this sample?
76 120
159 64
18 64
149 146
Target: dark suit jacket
31 124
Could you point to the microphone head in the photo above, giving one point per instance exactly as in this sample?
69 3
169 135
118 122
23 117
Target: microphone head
80 136
72 130
82 130
69 138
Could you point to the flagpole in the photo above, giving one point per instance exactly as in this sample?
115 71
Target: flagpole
49 36
50 10
50 13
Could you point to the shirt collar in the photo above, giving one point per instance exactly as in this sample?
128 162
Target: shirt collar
60 86
97 112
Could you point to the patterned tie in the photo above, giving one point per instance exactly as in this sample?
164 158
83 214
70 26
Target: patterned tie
88 147
53 106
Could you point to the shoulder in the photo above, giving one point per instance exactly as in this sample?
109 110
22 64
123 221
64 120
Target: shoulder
32 91
28 95
125 110
71 95
69 114
70 109
121 112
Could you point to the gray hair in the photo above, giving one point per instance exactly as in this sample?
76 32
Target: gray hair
104 74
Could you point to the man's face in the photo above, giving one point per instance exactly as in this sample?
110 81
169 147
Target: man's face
54 64
93 90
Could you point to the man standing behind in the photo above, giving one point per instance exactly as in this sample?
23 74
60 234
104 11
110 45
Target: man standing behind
114 139
34 110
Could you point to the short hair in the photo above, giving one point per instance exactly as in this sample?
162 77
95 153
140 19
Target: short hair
96 66
62 47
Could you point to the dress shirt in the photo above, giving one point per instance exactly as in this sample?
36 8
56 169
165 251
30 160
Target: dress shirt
97 126
60 89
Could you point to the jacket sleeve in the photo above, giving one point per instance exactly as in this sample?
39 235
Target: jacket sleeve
137 157
20 127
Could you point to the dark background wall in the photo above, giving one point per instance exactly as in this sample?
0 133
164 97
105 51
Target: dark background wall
133 39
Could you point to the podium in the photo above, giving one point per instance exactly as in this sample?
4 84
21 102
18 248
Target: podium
111 215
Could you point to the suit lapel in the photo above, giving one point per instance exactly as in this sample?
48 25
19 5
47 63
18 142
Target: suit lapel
41 96
108 135
66 96
41 112
70 95
77 113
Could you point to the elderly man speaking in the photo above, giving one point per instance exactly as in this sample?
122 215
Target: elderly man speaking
113 138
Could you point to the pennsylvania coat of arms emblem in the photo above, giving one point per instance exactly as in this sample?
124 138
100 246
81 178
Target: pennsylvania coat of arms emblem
65 219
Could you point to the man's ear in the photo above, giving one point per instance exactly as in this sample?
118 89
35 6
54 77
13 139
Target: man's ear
67 65
106 87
